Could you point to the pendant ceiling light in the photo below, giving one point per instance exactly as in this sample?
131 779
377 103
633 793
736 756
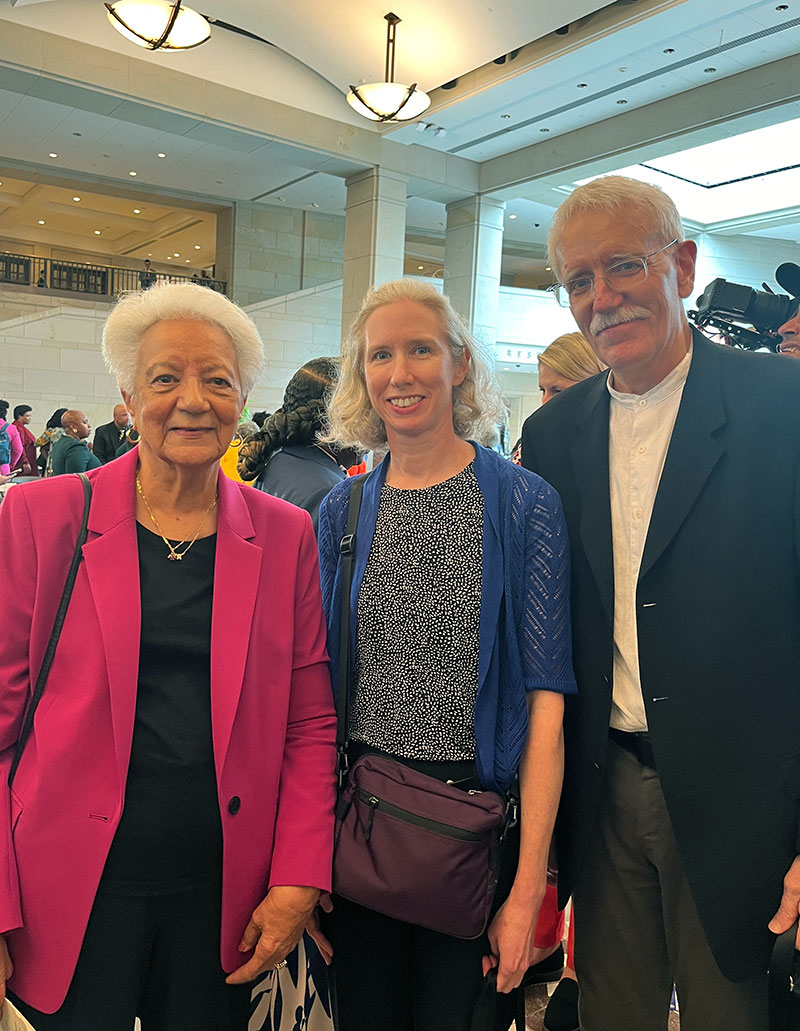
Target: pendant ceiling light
388 101
158 25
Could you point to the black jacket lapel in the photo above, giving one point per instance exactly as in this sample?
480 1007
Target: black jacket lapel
695 448
589 453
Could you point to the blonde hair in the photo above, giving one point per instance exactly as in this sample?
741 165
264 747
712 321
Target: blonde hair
138 311
651 210
478 408
571 356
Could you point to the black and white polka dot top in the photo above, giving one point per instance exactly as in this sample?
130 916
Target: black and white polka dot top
419 623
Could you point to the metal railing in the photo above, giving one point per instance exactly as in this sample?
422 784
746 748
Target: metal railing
82 278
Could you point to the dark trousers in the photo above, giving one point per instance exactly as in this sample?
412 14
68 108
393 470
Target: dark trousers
155 957
637 928
399 977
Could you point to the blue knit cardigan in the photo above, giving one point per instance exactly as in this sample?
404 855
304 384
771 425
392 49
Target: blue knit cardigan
525 632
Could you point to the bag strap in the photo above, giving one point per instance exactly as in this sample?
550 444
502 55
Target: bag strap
780 982
55 634
347 550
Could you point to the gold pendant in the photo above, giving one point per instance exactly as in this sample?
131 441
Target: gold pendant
174 556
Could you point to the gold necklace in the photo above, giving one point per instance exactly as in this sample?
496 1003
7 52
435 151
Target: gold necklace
175 555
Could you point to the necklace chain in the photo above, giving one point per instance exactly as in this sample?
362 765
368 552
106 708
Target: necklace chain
175 555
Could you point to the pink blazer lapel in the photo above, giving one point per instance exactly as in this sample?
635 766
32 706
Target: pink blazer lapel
112 568
236 578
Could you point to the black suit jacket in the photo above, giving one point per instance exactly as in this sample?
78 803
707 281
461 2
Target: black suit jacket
718 611
107 439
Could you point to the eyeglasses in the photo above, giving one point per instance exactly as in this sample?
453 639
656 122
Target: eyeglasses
617 277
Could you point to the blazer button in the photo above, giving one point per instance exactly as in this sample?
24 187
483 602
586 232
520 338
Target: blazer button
234 805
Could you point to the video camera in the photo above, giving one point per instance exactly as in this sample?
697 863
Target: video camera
723 306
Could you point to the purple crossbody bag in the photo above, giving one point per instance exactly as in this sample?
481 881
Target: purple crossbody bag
407 845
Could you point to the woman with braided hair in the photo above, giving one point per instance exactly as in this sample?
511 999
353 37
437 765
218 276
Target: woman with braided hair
286 458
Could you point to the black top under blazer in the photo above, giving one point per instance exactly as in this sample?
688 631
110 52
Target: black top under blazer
718 611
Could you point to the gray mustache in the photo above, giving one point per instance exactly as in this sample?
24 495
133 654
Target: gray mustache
607 319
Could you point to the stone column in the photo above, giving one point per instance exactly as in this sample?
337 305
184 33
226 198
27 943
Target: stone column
374 235
473 253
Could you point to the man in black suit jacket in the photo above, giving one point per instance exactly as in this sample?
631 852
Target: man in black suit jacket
679 471
108 437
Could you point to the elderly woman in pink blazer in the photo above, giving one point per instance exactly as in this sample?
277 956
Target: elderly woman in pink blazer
171 819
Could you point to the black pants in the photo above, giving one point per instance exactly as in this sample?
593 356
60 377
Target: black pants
155 957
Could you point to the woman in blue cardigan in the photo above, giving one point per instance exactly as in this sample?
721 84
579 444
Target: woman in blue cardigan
461 633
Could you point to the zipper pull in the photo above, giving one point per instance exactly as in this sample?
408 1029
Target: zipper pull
373 803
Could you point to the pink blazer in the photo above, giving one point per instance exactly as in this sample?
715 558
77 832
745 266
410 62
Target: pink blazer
273 720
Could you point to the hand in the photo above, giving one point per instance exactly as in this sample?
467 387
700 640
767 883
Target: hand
511 941
275 927
6 970
26 468
789 909
315 931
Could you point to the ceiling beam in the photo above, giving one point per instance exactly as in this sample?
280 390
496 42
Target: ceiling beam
649 131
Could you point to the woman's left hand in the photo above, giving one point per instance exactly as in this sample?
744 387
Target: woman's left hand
275 927
511 939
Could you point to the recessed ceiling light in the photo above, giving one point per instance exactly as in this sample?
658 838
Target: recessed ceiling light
622 101
505 116
544 130
161 154
41 221
547 268
137 211
77 134
97 232
623 68
281 199
782 7
187 261
670 50
582 85
52 155
169 257
314 204
76 199
176 254
133 173
709 71
512 216
420 267
149 254
197 246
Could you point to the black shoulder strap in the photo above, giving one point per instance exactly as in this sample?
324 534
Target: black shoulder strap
347 549
55 634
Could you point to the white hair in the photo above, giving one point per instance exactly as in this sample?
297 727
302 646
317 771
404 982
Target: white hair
649 209
136 312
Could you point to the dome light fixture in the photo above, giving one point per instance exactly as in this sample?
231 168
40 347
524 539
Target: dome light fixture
388 101
158 24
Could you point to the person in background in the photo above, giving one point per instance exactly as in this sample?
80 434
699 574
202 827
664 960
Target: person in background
147 277
230 460
52 431
286 458
562 364
71 454
259 418
109 436
9 441
26 462
460 573
178 790
790 335
678 472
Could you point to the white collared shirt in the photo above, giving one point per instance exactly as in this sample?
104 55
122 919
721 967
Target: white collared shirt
640 428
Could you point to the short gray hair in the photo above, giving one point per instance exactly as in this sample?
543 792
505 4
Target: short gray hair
478 408
653 210
136 312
